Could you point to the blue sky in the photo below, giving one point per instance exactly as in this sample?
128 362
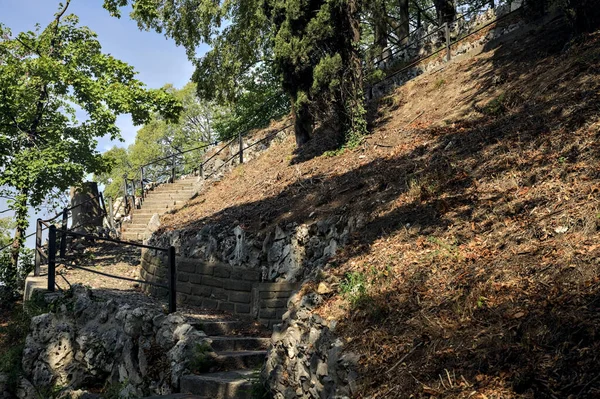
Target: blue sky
157 59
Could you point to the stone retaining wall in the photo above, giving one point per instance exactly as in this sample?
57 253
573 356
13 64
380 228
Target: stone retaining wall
220 286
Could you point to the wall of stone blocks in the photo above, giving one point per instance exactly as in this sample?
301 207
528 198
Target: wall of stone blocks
219 286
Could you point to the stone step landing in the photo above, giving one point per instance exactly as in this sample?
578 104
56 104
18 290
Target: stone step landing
223 385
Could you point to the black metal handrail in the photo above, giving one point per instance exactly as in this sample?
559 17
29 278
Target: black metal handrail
483 4
449 43
43 224
52 262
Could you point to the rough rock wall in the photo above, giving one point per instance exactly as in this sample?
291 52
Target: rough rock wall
288 253
245 273
91 342
306 359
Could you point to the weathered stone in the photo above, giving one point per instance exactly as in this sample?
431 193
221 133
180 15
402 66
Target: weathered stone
94 342
323 289
240 297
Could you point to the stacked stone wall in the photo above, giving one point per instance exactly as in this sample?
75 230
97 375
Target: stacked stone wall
219 286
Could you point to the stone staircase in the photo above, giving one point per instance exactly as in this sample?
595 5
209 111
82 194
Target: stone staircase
160 200
234 364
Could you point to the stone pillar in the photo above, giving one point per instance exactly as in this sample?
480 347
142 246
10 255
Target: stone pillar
89 215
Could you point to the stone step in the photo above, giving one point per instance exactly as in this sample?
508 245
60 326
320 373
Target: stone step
226 385
221 328
237 360
168 196
134 229
239 343
131 237
175 187
160 202
134 225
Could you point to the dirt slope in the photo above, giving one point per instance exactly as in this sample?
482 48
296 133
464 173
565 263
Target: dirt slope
478 273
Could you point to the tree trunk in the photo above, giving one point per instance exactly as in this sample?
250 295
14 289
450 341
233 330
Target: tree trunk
403 29
381 28
303 123
445 11
22 224
88 214
356 125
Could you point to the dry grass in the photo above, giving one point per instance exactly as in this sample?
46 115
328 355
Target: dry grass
478 266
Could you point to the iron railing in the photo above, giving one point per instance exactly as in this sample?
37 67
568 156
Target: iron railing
54 261
42 225
449 42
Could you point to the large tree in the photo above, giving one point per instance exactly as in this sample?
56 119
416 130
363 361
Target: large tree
44 77
314 45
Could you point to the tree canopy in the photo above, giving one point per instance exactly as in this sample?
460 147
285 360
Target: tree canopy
159 138
45 76
313 46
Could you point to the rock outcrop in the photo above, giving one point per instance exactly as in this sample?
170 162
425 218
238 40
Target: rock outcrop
306 359
283 253
95 341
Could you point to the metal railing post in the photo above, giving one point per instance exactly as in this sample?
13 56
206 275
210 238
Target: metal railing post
173 169
172 281
241 148
202 170
111 213
101 198
447 28
142 180
125 192
51 258
38 248
63 234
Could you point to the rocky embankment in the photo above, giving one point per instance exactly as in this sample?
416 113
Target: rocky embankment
92 342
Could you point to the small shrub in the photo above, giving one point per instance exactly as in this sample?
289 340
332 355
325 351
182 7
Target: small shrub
258 389
203 359
496 107
14 335
354 287
439 83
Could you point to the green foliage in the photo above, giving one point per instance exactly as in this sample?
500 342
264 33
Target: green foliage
258 388
495 107
311 46
44 76
259 100
12 278
202 359
113 390
13 338
354 287
160 138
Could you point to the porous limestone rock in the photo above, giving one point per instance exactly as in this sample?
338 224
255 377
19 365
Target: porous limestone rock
306 359
92 341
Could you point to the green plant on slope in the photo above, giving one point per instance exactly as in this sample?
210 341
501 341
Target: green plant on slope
13 334
202 360
354 287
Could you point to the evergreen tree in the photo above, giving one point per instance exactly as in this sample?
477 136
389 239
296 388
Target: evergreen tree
313 43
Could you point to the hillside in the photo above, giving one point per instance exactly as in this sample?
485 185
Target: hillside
475 273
